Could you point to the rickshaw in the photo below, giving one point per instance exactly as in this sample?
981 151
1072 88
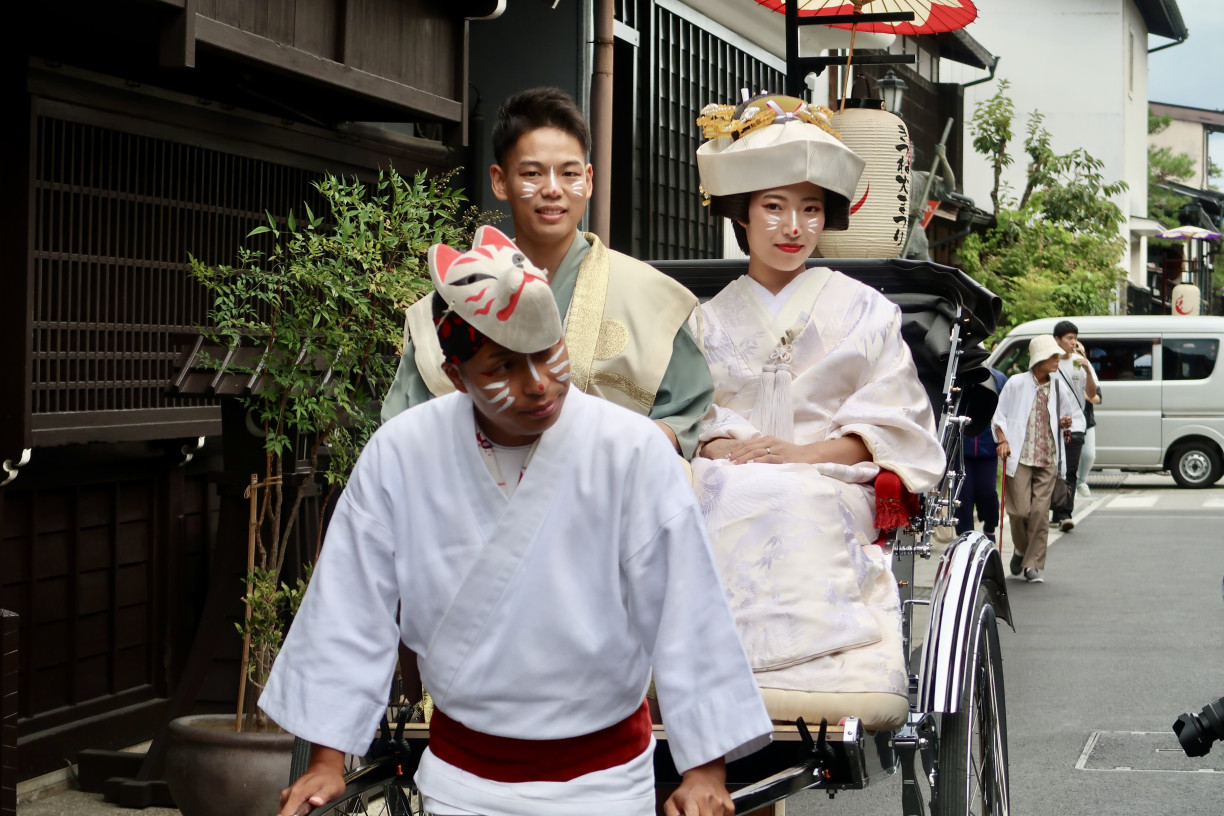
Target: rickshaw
951 751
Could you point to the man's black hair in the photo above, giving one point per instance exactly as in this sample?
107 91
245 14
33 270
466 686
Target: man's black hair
1064 327
458 339
534 109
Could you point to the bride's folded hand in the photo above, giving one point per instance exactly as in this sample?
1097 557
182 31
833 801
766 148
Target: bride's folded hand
769 450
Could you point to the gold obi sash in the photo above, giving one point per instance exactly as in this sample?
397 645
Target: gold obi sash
620 328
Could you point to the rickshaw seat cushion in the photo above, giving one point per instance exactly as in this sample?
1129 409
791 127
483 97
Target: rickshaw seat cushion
876 710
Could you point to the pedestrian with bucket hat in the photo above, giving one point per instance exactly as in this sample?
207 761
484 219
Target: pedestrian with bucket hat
1028 425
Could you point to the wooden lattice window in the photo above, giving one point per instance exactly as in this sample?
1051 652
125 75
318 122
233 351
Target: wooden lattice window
690 66
116 214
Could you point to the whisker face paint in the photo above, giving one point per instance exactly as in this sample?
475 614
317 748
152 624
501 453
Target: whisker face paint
502 396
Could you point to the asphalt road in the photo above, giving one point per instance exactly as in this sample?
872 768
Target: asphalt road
1126 633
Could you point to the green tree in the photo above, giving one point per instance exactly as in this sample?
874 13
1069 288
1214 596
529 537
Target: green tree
313 313
1165 167
1054 250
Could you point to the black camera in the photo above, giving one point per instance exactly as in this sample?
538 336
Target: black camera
1196 732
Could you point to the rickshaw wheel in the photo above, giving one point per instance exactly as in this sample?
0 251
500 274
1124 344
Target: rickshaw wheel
972 774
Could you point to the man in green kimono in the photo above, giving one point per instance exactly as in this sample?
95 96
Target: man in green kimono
626 323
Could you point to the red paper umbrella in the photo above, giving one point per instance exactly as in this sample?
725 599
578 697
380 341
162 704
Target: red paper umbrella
930 16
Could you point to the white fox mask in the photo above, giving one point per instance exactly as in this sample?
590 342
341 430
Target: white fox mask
496 290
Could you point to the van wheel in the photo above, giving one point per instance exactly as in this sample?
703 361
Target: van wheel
1196 464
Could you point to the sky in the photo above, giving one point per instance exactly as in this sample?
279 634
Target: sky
1190 74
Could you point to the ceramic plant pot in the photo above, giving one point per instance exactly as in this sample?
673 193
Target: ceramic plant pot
214 771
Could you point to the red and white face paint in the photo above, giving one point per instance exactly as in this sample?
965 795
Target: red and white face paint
546 181
558 365
516 396
552 181
501 400
784 224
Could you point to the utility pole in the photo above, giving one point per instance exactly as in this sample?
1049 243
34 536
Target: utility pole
601 121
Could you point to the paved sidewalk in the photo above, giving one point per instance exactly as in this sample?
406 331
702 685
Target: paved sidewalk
73 802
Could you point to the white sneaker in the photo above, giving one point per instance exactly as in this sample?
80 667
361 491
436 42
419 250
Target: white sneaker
1082 490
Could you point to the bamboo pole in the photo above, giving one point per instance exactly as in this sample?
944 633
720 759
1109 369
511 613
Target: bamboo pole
849 57
252 493
858 9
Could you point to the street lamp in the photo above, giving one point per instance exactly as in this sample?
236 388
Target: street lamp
891 89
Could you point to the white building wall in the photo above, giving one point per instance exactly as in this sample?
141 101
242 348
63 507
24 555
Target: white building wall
1135 106
1189 138
1072 61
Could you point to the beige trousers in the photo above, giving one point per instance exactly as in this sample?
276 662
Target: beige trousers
1028 508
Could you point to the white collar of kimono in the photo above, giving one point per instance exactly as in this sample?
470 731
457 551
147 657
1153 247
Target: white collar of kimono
774 302
797 304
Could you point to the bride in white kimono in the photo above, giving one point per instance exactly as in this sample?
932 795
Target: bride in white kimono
815 394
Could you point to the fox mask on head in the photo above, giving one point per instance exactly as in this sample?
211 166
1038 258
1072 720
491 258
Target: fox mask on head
496 290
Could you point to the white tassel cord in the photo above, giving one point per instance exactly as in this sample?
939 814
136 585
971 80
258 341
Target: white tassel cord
774 412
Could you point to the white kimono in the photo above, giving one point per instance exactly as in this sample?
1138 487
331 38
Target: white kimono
794 543
540 616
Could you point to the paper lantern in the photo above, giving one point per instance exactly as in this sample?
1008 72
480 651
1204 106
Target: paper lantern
1186 299
879 210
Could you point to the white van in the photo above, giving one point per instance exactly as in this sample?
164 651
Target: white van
1162 397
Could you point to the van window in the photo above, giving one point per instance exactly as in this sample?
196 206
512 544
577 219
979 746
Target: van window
1120 359
1185 359
1014 359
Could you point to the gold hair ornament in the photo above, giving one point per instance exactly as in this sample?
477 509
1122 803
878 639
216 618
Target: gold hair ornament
719 121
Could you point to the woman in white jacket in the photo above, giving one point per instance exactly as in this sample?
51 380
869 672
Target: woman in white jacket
1033 410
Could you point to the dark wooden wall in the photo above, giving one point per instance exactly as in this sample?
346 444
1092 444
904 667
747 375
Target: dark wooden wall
8 712
103 554
123 189
409 41
315 26
121 157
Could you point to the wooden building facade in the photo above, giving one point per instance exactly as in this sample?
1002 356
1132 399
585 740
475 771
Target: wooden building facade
144 130
141 132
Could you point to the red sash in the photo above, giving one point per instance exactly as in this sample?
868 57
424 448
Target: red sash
506 759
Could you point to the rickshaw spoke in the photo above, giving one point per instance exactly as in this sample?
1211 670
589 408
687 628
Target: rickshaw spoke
972 767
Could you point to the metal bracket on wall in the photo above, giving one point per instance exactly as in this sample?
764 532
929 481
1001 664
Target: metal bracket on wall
817 64
797 67
11 467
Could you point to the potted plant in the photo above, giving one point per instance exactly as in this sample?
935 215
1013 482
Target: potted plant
312 315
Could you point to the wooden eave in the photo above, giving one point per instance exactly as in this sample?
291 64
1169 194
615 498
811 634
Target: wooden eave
191 30
253 48
1211 120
